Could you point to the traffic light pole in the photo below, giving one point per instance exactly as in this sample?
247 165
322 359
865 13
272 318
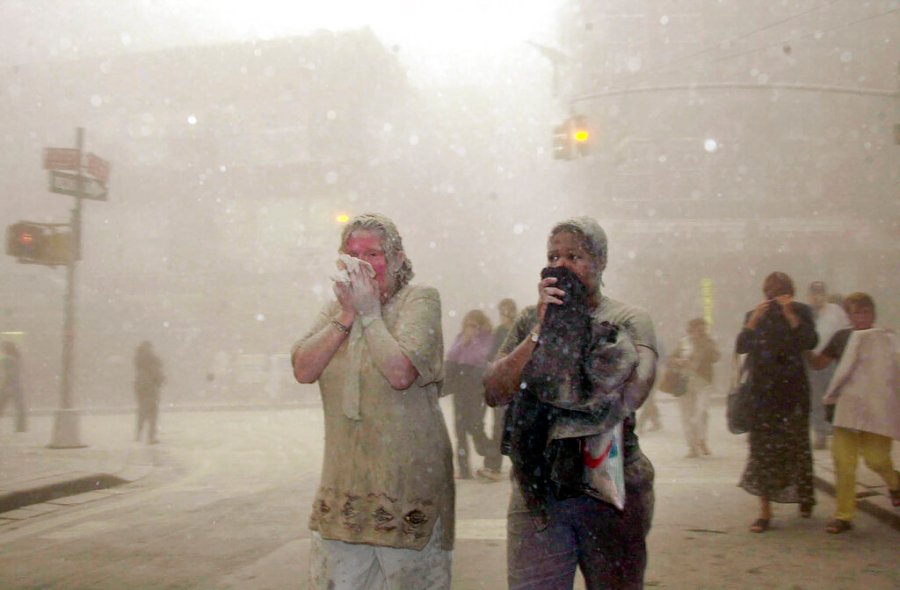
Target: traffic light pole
66 431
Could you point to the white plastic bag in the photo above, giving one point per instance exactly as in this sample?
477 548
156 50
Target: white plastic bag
604 466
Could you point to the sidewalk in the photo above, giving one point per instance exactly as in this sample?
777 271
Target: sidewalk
33 476
35 479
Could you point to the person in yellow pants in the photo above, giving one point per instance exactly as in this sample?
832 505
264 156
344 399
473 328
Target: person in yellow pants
863 403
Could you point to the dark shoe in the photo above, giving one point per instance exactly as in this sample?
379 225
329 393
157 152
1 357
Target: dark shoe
838 526
760 525
806 510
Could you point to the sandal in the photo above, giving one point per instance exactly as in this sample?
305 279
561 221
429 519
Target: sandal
838 526
806 510
760 525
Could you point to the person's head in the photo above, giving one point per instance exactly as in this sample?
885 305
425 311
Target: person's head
696 327
374 238
818 294
507 309
476 322
860 307
777 284
10 348
579 244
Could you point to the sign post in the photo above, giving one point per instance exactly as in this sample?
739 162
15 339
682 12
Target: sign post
66 167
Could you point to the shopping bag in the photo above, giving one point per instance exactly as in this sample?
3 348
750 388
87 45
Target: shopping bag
604 466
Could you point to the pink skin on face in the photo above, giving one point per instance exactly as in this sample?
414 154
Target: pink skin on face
366 245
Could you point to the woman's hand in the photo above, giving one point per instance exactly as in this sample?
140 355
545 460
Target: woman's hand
342 292
364 294
548 294
757 314
788 310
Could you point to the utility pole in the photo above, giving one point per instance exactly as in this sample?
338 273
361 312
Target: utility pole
66 427
66 432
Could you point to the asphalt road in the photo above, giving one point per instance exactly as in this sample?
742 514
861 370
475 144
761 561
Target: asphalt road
226 507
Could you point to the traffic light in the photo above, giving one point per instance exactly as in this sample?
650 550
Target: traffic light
37 243
572 139
581 135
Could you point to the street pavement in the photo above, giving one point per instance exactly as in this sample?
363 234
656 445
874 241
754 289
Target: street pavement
699 528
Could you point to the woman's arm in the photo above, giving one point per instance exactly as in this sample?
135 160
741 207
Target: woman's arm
310 357
746 338
638 387
503 377
387 354
805 328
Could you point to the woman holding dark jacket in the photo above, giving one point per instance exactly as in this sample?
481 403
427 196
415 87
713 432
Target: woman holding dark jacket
775 336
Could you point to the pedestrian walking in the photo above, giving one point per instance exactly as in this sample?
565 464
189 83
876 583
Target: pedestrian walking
464 369
829 318
383 513
493 458
694 357
574 529
148 380
863 400
11 384
774 336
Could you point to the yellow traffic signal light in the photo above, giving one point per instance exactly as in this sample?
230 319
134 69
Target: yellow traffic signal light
572 138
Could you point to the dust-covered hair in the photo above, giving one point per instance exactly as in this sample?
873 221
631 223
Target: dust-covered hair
592 235
391 243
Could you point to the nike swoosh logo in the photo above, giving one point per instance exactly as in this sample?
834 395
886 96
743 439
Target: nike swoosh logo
595 462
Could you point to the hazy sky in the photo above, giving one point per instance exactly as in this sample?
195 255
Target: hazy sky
38 30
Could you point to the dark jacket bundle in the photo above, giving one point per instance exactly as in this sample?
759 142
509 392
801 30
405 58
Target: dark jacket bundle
571 389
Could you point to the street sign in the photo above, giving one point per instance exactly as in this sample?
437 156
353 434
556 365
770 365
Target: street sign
98 168
66 183
61 159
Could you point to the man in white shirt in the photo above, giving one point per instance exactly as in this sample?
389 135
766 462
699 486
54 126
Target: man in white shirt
829 319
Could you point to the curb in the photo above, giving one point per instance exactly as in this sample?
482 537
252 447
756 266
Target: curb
888 517
58 489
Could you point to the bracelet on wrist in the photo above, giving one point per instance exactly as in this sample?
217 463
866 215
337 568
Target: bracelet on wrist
340 327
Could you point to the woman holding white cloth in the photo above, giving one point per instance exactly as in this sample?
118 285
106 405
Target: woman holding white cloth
383 514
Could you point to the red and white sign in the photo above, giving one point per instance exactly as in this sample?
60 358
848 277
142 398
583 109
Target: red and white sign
98 168
61 159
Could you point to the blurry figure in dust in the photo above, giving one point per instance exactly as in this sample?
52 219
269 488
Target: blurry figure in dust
829 318
148 378
464 369
11 384
695 356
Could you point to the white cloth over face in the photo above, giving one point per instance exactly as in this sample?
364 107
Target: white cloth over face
350 395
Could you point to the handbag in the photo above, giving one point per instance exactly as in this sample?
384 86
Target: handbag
673 382
738 409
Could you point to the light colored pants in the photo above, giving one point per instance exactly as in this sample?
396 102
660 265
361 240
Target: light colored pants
846 447
694 412
336 565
